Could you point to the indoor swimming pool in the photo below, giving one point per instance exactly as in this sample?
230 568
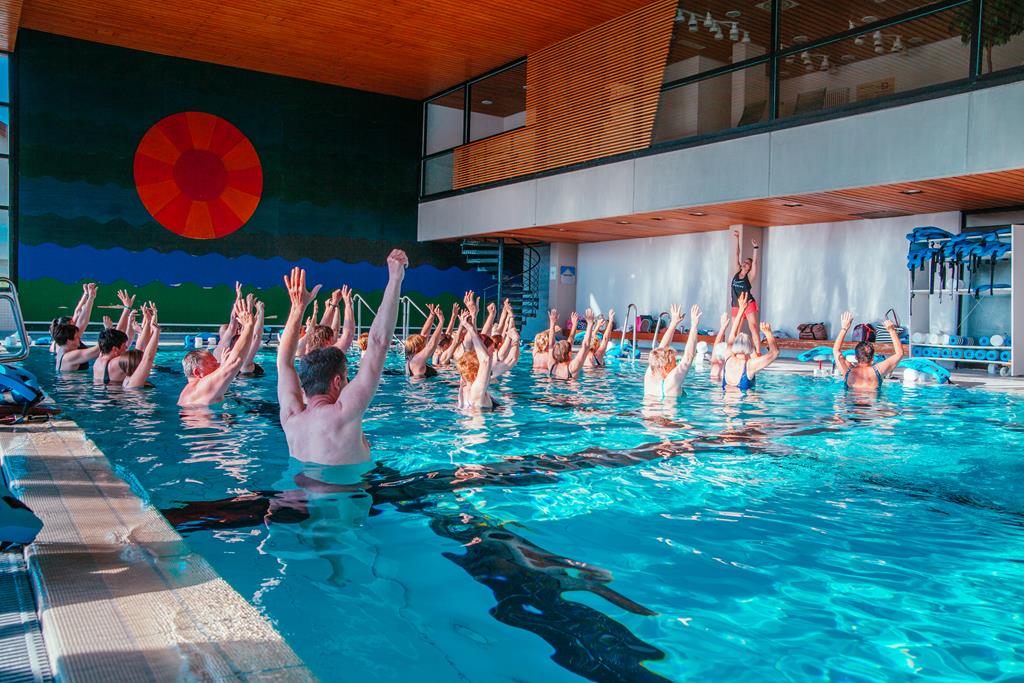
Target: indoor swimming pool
793 533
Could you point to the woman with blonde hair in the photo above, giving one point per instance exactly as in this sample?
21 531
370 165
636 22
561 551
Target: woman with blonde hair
665 374
563 364
741 368
136 365
600 346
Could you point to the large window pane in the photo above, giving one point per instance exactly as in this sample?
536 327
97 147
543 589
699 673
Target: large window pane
712 33
5 130
437 173
734 99
1002 44
904 57
808 20
5 88
498 103
445 120
5 243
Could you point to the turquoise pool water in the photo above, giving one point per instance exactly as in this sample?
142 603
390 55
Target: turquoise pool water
795 533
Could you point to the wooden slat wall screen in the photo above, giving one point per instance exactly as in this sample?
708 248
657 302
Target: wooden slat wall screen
590 96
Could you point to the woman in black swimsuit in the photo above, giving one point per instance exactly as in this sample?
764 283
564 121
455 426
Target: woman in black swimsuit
419 349
70 356
746 269
564 365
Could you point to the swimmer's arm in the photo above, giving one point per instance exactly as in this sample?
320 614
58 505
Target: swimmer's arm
357 394
289 391
723 322
428 323
887 365
82 355
428 350
489 321
581 356
753 259
348 330
447 354
232 329
233 360
837 346
677 317
741 308
141 374
552 319
609 329
253 347
80 305
451 321
512 355
126 310
691 339
761 362
82 321
330 306
483 375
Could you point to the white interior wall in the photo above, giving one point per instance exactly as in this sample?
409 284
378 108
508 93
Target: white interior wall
810 273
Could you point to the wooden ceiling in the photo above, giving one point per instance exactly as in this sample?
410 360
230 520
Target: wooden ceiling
10 16
395 47
960 193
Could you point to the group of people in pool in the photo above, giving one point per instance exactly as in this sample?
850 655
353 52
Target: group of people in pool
322 411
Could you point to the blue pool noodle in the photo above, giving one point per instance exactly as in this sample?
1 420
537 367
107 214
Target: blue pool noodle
946 353
957 354
992 355
983 341
1004 356
968 354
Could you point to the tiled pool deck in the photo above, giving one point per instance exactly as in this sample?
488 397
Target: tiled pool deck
120 595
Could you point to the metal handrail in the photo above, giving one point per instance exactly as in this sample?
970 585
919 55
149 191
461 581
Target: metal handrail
11 295
622 339
657 326
405 302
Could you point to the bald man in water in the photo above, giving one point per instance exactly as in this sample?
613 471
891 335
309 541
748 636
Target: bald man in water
326 426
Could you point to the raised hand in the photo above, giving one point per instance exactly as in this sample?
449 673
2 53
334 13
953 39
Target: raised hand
238 290
296 286
755 244
695 314
889 325
245 317
346 295
126 300
107 322
397 263
723 321
553 316
766 329
574 320
676 311
491 309
259 307
588 315
91 289
847 320
467 298
335 297
741 301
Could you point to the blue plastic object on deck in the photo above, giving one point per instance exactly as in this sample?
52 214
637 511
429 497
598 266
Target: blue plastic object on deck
927 367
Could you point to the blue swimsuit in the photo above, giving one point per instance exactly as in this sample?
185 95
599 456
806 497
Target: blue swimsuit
878 376
744 383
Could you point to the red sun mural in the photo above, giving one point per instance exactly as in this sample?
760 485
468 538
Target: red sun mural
198 175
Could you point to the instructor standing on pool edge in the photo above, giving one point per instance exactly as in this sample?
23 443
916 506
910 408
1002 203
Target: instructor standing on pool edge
746 269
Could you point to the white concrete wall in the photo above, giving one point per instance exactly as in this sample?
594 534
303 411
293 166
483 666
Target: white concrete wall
810 273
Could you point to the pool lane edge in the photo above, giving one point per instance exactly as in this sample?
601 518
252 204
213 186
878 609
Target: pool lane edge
121 596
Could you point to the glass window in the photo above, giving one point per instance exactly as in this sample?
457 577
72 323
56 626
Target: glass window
498 103
805 21
5 130
711 34
5 237
437 173
1002 45
445 120
5 186
5 89
734 99
897 59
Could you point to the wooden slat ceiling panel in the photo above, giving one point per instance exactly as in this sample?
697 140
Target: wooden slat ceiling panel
10 16
960 193
589 96
409 49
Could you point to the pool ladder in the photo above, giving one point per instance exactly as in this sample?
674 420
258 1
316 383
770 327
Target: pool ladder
622 339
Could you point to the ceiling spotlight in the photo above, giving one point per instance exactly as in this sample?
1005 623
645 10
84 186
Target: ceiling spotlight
734 32
486 102
622 222
718 32
824 63
746 37
897 45
877 36
561 230
693 23
792 204
698 213
733 13
805 56
680 17
708 21
859 40
852 25
911 191
870 19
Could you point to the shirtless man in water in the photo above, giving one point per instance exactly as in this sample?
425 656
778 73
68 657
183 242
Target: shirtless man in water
326 427
208 380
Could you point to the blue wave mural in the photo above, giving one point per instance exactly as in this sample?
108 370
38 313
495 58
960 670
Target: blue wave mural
75 264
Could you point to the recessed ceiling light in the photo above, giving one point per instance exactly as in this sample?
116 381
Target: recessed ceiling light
799 39
561 230
657 218
792 204
698 213
733 13
869 19
622 222
911 191
486 102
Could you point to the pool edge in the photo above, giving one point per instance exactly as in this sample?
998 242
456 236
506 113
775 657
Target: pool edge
120 594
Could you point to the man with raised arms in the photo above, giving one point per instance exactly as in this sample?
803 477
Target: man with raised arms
208 380
326 426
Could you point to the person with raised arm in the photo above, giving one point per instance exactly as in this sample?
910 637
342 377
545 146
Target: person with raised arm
208 380
228 331
742 366
600 346
112 342
719 350
746 268
443 353
250 368
326 426
136 365
665 373
475 371
419 349
71 354
543 341
866 374
564 365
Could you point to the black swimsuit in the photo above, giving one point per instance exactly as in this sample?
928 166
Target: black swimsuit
60 361
429 372
739 285
564 379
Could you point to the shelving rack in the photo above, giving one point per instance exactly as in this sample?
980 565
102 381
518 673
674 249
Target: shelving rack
921 306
